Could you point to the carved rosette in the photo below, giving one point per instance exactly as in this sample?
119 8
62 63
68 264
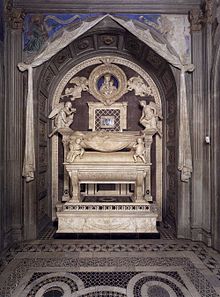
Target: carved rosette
116 78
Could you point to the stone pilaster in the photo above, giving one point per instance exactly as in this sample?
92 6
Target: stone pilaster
14 125
200 208
2 151
183 210
183 196
207 142
215 132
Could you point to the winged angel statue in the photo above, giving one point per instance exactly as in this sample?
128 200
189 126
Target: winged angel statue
79 84
63 115
140 88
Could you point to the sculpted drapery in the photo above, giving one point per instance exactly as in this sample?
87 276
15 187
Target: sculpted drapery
185 157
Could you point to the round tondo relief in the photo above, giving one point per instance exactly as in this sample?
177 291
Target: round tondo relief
107 83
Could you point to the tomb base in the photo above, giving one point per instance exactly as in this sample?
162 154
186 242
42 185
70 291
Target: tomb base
107 218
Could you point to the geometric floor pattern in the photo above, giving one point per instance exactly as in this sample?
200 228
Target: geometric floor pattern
107 268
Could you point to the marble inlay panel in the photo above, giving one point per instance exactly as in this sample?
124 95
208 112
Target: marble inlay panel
111 268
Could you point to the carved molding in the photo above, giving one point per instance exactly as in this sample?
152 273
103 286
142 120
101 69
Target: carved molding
167 6
142 207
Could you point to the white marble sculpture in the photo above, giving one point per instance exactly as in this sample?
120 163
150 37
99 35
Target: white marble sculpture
107 88
139 150
149 118
107 83
63 115
80 84
75 149
140 88
103 141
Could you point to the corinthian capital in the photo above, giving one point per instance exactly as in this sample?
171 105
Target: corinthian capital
210 10
205 15
14 17
196 18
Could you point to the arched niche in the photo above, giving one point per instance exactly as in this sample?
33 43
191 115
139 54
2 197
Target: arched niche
112 41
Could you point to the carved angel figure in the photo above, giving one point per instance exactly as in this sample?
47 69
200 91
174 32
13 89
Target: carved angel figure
149 117
80 84
139 150
140 88
76 149
63 115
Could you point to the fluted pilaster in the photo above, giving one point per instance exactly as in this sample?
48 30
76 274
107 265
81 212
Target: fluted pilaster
14 113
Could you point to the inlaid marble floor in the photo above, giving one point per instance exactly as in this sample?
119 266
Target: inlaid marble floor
93 268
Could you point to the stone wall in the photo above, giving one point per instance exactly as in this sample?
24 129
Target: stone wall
198 202
2 159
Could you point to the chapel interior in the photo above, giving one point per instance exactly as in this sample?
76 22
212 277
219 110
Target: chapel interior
109 139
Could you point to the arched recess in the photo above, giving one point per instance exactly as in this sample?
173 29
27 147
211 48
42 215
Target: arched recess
102 41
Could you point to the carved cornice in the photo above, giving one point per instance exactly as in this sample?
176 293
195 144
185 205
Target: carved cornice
14 16
107 6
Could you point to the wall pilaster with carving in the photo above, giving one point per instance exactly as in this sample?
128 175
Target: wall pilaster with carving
201 30
197 124
2 156
14 106
215 131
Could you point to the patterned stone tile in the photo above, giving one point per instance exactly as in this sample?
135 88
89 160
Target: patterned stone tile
110 268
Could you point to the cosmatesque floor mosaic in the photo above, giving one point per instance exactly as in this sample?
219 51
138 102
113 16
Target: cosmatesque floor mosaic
106 268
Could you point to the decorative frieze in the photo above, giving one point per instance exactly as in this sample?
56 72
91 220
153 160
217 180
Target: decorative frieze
90 207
